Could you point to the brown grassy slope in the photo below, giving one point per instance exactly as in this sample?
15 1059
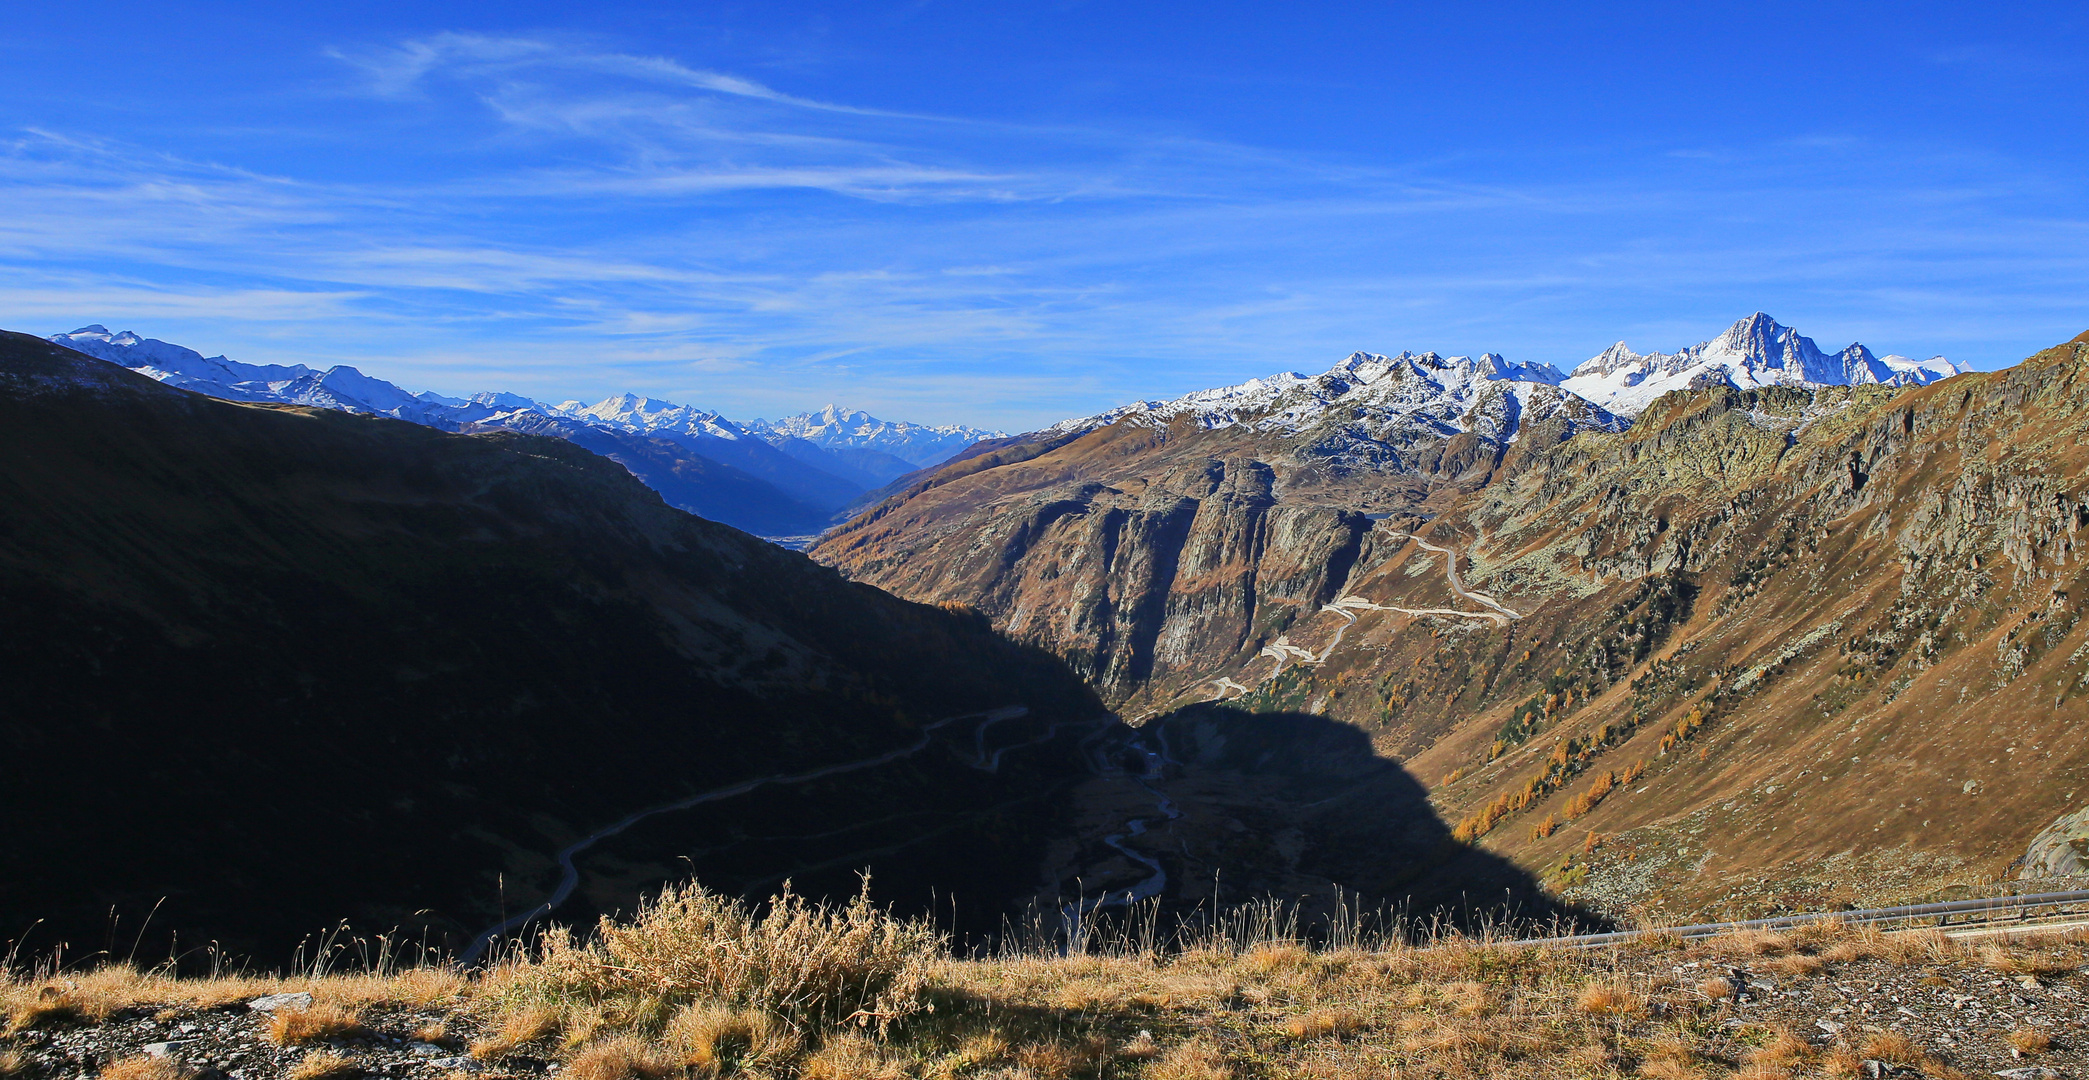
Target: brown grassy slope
1833 639
1838 608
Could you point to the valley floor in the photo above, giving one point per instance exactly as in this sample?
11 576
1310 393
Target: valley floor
1826 1001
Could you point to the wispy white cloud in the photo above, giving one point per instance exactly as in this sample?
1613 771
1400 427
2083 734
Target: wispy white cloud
603 220
407 67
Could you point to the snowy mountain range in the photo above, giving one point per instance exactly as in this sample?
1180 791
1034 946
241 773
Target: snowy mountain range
1420 393
795 475
1389 398
834 428
1754 352
790 476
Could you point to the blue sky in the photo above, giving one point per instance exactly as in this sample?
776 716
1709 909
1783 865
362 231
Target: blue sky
1009 213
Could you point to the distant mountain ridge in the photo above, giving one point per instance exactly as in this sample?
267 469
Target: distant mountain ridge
788 478
1753 353
1404 396
835 428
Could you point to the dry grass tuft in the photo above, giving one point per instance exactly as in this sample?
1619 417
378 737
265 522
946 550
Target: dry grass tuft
1797 964
1920 946
1893 1048
2029 1041
1141 1047
1842 1062
141 1067
51 1005
1750 942
1267 960
11 1062
1438 1038
1324 1023
852 1057
1468 997
1717 988
1193 1060
2023 962
978 1052
1609 999
625 1057
809 963
1670 1055
437 1032
518 1029
295 1027
323 1065
715 1040
1785 1050
1901 947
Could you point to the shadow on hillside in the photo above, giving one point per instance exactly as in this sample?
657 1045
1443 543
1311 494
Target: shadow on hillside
1301 807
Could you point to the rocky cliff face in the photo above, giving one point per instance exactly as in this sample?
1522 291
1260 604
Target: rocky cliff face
1149 545
1768 647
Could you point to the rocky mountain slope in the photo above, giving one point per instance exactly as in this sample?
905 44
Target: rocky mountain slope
270 667
1770 646
1143 543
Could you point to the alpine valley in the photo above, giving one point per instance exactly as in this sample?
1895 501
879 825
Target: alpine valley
1746 627
272 666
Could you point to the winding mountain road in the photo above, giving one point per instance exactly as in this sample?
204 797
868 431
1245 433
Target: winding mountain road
569 872
1282 650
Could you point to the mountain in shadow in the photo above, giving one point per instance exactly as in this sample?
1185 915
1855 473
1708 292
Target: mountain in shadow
270 667
1290 806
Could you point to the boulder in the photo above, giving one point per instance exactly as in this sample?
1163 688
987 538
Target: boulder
2061 850
272 1002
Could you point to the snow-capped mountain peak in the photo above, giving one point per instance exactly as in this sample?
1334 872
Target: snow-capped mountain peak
650 415
835 428
178 366
1756 351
